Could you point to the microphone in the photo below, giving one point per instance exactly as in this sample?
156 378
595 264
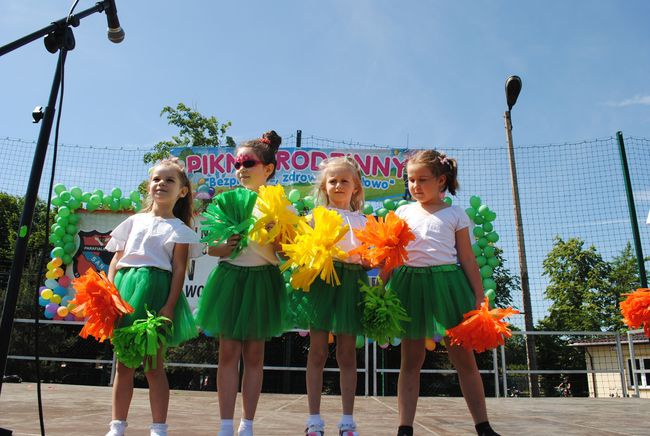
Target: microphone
115 32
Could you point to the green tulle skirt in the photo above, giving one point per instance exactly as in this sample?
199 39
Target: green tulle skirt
435 298
336 309
148 288
244 303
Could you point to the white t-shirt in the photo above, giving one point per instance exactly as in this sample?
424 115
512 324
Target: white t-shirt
435 234
355 220
254 254
148 240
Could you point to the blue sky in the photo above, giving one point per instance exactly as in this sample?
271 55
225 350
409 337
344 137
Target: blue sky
416 73
368 71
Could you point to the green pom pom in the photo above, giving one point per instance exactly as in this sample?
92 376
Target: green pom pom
475 201
382 313
142 341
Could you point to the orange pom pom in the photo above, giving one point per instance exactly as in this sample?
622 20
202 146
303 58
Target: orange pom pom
384 241
99 301
482 329
636 310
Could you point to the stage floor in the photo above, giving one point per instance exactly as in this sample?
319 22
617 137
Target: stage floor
85 410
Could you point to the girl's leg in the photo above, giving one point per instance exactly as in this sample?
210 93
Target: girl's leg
408 383
316 359
122 391
471 383
253 374
228 376
346 357
158 390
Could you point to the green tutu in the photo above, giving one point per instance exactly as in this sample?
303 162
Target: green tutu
336 309
244 303
435 298
149 287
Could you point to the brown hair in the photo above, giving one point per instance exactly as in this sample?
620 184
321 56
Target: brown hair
183 207
440 165
358 198
265 148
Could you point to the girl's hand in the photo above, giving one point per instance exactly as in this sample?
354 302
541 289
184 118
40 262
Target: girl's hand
225 249
479 301
167 312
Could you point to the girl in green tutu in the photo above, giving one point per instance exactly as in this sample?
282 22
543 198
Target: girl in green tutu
336 309
148 268
438 285
244 301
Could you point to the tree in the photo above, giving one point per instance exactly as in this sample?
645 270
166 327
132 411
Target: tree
196 130
507 283
623 278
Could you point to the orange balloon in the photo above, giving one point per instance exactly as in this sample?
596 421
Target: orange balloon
330 338
429 344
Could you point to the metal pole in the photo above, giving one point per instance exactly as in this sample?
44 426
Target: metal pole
630 344
298 138
531 354
366 375
504 371
632 211
374 369
495 368
621 362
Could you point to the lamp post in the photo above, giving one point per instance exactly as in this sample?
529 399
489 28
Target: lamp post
513 88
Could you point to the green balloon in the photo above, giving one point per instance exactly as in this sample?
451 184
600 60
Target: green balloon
401 203
106 201
58 230
76 192
56 201
488 227
86 197
490 294
65 196
484 211
360 341
57 252
447 200
138 206
475 201
73 218
71 229
478 219
367 209
59 188
54 238
67 259
134 196
114 204
63 220
299 205
482 242
492 236
489 251
476 249
59 243
493 262
481 260
116 193
95 200
478 232
489 284
308 201
91 207
74 204
389 204
67 238
381 212
125 203
99 192
69 247
486 271
491 216
471 213
294 195
63 211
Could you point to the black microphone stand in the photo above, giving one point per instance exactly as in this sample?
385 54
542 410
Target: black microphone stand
58 37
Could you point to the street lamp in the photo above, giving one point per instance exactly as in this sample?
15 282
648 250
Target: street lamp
513 88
